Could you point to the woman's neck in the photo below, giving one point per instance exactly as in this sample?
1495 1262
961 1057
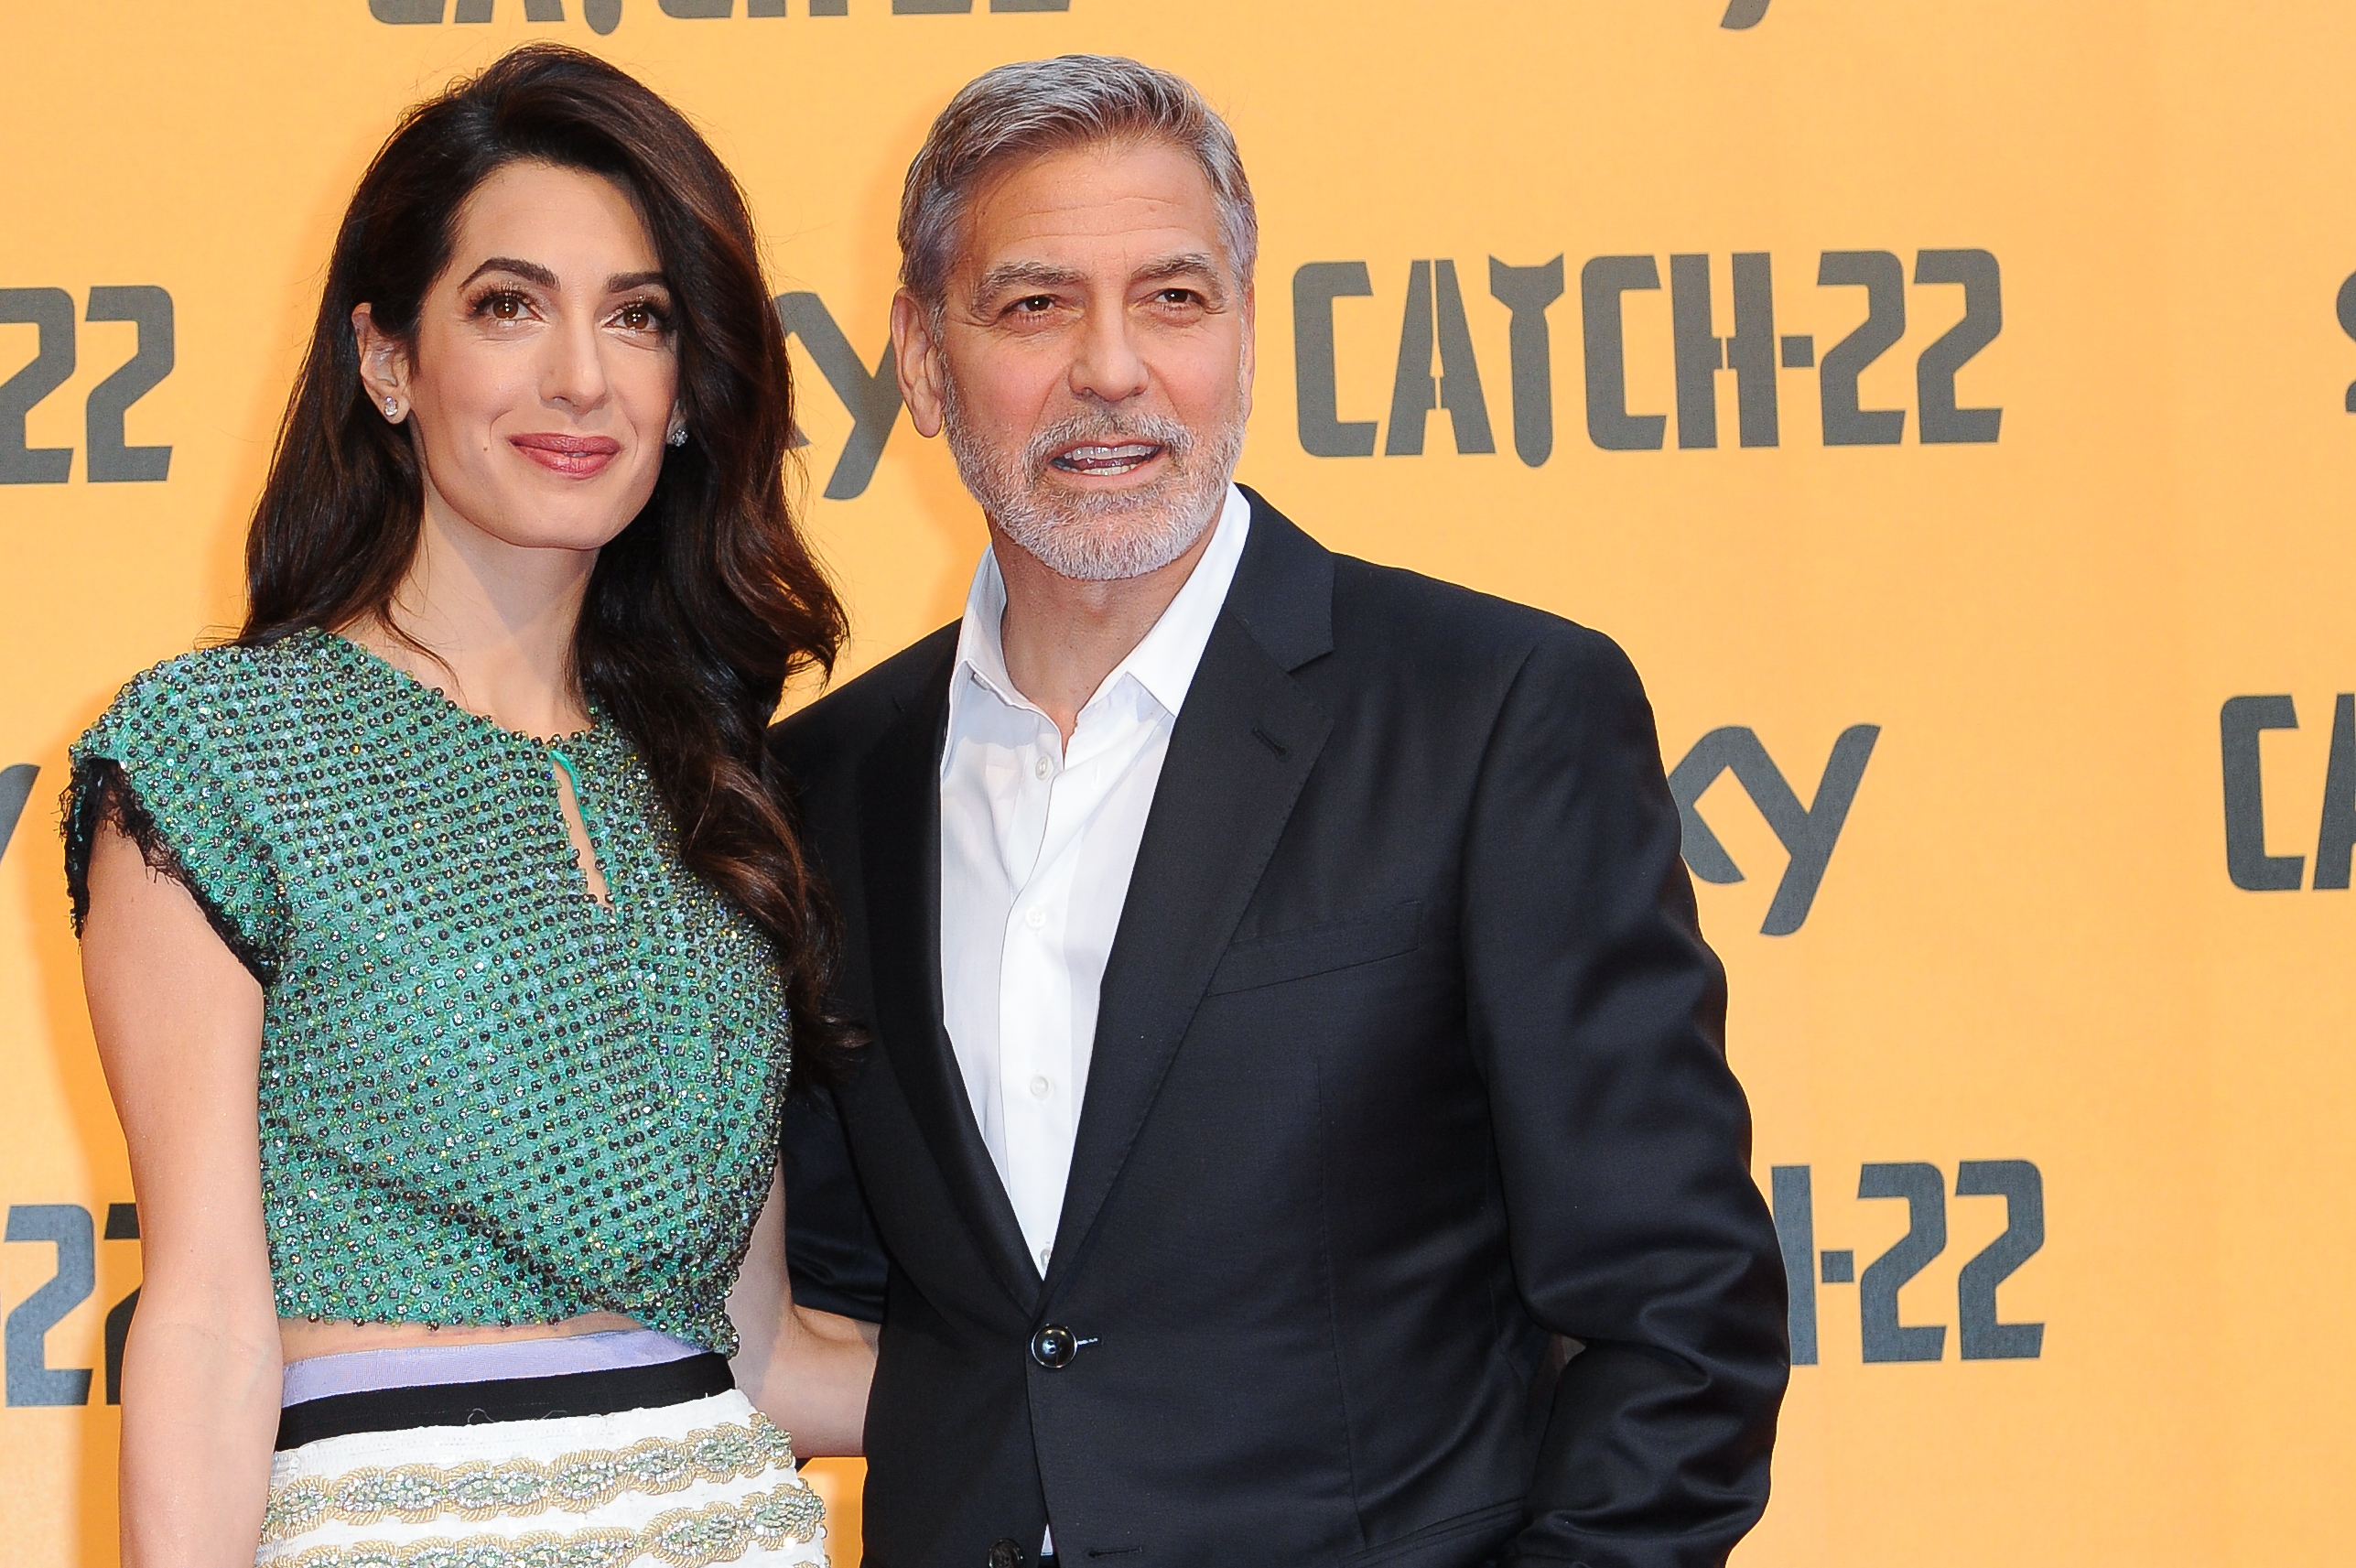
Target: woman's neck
497 622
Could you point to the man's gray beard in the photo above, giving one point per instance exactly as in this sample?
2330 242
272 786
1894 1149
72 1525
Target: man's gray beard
1100 538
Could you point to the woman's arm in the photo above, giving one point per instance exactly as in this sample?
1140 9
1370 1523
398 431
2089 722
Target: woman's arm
179 1022
807 1370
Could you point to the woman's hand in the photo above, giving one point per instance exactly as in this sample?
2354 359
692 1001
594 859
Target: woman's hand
179 1022
807 1370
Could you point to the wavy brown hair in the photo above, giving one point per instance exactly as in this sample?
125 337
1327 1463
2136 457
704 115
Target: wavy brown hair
703 608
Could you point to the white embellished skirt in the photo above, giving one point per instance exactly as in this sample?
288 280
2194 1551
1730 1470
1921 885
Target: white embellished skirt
703 1481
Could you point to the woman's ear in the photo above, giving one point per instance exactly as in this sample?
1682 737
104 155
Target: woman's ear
384 365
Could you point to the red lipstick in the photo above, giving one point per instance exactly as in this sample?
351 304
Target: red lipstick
576 457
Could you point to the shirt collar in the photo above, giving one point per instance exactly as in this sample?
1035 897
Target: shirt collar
1162 663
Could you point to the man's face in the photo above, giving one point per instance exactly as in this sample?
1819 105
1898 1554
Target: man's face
1092 364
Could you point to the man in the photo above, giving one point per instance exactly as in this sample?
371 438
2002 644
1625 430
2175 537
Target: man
1296 1128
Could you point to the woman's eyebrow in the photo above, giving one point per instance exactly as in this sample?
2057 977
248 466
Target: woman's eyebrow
533 273
530 272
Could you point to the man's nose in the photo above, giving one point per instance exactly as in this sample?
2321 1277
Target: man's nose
1107 368
572 370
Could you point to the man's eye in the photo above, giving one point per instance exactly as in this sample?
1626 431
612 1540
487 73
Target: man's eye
1177 296
1035 303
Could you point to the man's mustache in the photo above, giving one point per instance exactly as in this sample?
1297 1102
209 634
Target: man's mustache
1107 430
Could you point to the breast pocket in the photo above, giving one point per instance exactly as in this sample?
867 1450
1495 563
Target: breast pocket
1319 949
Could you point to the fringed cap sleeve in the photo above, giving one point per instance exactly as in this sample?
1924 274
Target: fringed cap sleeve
179 764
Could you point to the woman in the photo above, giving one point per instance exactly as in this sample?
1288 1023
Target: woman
440 933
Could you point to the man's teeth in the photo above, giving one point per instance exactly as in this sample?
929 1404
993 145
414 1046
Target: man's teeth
1106 459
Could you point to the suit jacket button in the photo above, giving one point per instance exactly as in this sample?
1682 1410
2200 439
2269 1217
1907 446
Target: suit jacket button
1008 1554
1053 1347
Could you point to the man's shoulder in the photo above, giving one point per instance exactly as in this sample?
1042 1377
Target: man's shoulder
1426 651
847 721
1390 614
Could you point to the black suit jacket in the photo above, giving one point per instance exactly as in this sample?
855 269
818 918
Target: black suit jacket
1407 1074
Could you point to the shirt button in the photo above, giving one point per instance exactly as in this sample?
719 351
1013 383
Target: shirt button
1042 767
1035 919
1041 1089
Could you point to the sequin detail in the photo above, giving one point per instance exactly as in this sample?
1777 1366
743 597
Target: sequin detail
517 1488
485 1099
683 1537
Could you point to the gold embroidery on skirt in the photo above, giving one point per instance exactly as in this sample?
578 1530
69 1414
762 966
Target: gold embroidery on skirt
515 1488
683 1538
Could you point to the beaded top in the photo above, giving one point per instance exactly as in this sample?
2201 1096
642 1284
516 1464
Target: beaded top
485 1097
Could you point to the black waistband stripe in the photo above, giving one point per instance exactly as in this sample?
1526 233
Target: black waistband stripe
506 1399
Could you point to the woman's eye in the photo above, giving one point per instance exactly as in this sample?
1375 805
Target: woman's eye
502 304
641 316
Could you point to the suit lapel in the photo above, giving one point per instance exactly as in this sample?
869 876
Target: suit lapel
1244 745
900 845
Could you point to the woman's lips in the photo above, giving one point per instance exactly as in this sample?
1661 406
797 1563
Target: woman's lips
575 456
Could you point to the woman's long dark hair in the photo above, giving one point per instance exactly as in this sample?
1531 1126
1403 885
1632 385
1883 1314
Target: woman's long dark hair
709 601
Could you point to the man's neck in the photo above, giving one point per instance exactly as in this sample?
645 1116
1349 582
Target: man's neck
1061 636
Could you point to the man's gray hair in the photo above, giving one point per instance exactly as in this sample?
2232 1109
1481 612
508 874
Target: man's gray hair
1049 105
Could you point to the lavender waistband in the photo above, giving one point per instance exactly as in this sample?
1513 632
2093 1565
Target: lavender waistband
430 1366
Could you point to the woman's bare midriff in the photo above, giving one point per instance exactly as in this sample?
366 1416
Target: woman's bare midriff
301 1339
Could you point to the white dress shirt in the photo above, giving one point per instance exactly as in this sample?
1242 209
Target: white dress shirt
1037 843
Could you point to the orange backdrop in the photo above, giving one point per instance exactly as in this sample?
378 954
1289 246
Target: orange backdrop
1947 405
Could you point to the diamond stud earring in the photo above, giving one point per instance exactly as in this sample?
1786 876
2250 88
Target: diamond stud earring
393 408
677 438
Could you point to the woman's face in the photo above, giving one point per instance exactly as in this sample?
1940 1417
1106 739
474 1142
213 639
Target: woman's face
544 374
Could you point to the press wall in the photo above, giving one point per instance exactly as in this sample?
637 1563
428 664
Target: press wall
1947 405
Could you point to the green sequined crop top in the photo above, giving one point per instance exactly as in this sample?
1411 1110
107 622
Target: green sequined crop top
485 1097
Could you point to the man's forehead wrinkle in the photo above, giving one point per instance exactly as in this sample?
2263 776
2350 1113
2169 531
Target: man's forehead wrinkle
1074 178
1093 221
1088 204
1080 218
